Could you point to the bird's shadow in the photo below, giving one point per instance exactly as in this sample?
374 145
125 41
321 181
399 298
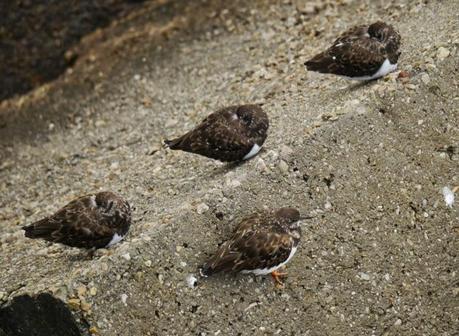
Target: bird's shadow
340 93
227 167
89 254
356 86
83 255
353 87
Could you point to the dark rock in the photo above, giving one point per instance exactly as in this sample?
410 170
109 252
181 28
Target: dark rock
42 315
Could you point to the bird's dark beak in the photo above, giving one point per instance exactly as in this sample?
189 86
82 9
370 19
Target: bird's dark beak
306 217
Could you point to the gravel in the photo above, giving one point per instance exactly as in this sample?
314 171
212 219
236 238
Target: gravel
378 258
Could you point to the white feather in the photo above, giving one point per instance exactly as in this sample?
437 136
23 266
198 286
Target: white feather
92 201
255 149
115 239
191 280
265 271
385 68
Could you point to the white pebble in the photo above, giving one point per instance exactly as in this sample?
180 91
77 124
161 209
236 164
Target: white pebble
442 53
126 256
283 166
425 78
261 165
449 196
124 298
233 183
201 208
364 276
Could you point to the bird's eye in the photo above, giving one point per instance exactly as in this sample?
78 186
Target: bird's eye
110 205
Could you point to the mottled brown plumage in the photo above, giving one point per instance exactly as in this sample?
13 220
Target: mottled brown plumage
363 52
260 244
232 133
91 221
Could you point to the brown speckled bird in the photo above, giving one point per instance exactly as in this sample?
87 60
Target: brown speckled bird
92 221
363 52
233 133
260 244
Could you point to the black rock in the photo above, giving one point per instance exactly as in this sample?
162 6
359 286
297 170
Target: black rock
41 315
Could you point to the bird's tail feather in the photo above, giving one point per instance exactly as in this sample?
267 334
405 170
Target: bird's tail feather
172 144
38 229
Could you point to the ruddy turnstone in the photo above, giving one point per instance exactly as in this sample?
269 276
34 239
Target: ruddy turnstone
233 133
363 52
260 244
92 221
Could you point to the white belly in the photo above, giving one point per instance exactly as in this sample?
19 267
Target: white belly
116 239
254 151
386 67
265 271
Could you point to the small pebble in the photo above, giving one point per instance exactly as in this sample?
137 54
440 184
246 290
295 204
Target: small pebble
74 303
124 298
285 151
232 182
171 123
283 166
93 291
81 290
85 306
161 278
261 165
425 78
93 330
448 194
202 208
364 276
306 8
442 53
403 74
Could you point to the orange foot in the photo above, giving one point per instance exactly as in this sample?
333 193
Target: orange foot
277 278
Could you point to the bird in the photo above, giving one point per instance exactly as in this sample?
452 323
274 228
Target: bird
93 221
260 244
233 133
364 52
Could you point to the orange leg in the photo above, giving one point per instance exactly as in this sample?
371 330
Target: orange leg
277 276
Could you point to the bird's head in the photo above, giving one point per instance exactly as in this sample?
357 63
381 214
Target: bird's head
291 217
253 118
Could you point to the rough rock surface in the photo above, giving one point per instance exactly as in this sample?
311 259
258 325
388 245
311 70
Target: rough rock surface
370 161
42 315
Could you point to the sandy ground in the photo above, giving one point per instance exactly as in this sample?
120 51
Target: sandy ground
379 258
